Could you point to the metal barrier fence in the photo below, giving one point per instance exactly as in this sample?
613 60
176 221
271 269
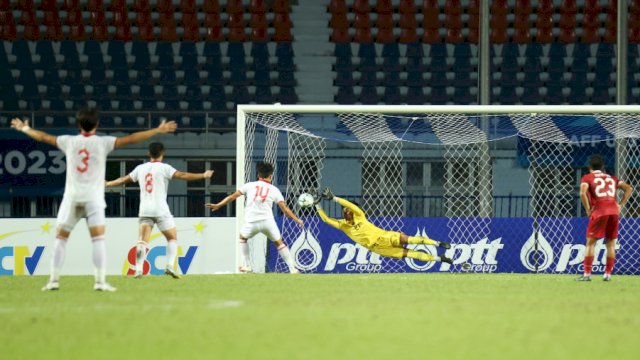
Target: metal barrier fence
192 205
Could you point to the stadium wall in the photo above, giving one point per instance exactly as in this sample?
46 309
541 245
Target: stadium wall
206 246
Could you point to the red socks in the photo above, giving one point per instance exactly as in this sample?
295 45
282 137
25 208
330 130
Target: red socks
609 267
588 264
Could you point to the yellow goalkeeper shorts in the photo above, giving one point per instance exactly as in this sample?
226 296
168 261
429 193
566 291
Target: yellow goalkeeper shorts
388 244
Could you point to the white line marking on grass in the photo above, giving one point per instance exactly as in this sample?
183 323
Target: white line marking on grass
225 304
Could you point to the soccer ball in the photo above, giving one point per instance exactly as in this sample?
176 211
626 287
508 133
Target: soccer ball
305 200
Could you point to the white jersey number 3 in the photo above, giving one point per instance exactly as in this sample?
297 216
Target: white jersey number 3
605 187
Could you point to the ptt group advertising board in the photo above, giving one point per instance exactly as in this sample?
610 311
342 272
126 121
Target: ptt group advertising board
510 245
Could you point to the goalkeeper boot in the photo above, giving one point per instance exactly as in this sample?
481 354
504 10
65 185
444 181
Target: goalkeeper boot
445 259
606 277
169 271
51 286
584 278
444 245
103 287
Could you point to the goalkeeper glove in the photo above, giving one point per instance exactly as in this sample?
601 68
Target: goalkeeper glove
327 194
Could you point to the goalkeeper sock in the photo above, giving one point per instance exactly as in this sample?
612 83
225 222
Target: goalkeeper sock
244 248
284 252
421 240
99 258
141 254
419 255
59 251
172 252
609 266
588 265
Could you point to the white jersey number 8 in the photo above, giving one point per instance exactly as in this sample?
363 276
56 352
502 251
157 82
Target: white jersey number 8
605 187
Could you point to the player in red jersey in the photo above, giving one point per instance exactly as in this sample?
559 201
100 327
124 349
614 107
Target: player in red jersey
598 195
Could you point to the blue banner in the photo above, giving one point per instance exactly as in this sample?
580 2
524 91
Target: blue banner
510 247
28 167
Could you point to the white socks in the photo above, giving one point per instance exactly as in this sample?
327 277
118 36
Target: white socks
244 248
283 250
141 255
99 258
59 251
172 252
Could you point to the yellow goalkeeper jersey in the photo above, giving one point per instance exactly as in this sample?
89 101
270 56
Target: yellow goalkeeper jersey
361 231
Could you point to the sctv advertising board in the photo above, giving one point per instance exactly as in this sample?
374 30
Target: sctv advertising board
510 246
205 246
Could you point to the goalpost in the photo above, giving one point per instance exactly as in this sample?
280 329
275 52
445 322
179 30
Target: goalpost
477 176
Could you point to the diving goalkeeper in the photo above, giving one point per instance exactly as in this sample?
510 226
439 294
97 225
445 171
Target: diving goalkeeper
384 242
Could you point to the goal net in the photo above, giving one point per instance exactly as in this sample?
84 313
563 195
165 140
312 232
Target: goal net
498 182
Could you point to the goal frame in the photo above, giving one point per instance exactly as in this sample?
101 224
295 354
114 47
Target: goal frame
244 109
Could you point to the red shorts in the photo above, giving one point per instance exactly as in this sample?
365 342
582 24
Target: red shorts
604 226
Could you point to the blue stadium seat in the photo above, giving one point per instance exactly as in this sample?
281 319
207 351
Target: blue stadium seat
415 96
21 50
605 50
579 80
284 49
123 92
367 78
344 78
168 77
240 95
438 79
215 76
262 78
211 49
56 104
414 50
532 79
345 96
438 95
579 65
392 79
98 76
95 61
463 64
438 64
287 95
462 79
50 76
235 51
392 95
285 64
510 64
238 75
92 47
191 76
462 95
555 66
342 50
415 79
558 50
554 95
414 64
391 64
343 64
260 51
47 57
533 50
391 50
462 50
508 95
77 92
120 76
531 95
262 65
217 97
264 95
438 50
601 95
369 95
581 50
578 95
286 79
510 50
54 91
187 49
367 50
69 50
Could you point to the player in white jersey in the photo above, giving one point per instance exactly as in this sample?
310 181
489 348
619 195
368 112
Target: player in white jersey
86 156
258 217
153 178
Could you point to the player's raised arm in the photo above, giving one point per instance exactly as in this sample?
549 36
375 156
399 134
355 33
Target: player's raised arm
37 135
628 190
164 128
324 217
584 198
187 176
224 202
285 209
119 181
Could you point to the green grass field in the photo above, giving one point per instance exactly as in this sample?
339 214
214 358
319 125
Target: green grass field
278 316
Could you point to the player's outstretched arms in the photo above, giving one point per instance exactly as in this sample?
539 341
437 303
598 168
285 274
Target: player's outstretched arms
285 209
224 202
119 181
187 176
140 136
37 135
324 217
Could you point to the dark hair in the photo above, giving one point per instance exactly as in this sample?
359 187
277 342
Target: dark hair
596 162
87 119
264 170
156 149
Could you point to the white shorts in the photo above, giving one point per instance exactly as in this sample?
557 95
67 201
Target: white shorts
164 222
266 227
71 212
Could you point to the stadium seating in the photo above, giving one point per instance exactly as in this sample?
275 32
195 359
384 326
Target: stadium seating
142 55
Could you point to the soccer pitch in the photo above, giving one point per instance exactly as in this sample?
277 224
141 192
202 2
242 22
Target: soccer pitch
281 316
